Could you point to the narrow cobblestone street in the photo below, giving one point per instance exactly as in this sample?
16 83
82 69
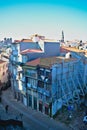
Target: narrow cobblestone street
32 119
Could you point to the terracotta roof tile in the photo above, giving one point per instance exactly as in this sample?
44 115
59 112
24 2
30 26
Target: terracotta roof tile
72 49
48 62
33 62
26 40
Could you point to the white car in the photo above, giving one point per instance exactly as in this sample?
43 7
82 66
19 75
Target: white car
85 119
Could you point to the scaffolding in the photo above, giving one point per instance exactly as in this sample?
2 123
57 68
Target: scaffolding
70 83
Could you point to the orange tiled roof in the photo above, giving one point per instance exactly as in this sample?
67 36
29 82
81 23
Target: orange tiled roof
26 40
64 50
33 62
72 49
47 62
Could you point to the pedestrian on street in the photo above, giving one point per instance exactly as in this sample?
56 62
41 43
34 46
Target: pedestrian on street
21 115
6 108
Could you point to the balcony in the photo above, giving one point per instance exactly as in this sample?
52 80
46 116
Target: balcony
34 87
45 79
31 74
40 90
47 93
44 92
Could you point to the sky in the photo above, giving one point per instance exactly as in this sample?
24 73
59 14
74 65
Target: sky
22 18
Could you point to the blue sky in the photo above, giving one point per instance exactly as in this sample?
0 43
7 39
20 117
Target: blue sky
22 18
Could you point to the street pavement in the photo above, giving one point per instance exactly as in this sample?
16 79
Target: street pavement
32 119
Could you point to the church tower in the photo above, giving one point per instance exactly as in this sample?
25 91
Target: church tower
62 39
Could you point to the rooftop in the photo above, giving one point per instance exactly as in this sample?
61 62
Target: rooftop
45 40
48 62
26 40
50 40
72 49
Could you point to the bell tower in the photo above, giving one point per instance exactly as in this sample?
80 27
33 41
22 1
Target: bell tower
62 39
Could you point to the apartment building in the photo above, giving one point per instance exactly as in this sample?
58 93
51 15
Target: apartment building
64 86
51 83
45 82
27 50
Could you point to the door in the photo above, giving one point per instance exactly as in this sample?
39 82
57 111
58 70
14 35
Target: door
35 103
40 107
30 100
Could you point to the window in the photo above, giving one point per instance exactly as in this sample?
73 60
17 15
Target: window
41 71
30 100
47 98
35 103
48 86
40 84
47 74
40 96
40 107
